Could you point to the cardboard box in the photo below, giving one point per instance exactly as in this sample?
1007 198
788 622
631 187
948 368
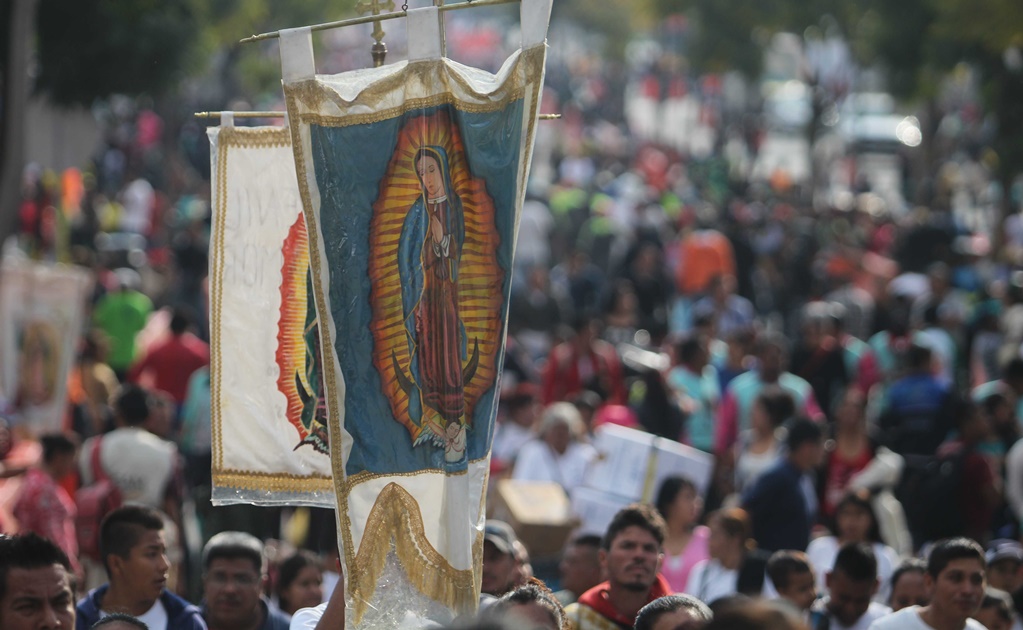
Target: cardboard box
539 512
633 463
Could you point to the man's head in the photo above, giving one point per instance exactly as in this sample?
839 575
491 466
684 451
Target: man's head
181 319
35 585
955 579
580 564
793 578
132 405
233 579
1005 565
908 585
805 443
499 563
560 424
59 453
919 359
134 552
119 621
691 351
852 582
673 612
995 612
531 605
1012 374
973 425
773 354
631 549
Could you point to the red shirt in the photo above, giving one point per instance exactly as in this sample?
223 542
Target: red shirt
45 508
172 363
597 599
840 472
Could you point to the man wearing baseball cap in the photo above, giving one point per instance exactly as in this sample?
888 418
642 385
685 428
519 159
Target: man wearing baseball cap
499 559
1005 565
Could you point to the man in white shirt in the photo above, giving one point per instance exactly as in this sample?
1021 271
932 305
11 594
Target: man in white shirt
852 584
955 578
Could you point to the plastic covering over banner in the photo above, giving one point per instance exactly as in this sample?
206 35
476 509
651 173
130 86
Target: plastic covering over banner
269 432
411 177
42 307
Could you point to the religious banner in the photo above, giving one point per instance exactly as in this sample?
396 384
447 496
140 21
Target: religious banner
269 433
411 177
42 307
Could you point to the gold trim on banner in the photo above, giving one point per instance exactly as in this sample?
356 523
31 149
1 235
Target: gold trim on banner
216 413
313 93
273 482
395 510
410 105
256 137
394 506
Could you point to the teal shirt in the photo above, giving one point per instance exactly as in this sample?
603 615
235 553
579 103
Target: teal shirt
705 393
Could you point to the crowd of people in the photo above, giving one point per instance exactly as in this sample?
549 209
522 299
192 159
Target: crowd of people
855 373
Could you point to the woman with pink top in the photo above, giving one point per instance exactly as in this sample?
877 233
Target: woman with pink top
686 543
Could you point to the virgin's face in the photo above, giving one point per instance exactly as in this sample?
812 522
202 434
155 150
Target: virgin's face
430 175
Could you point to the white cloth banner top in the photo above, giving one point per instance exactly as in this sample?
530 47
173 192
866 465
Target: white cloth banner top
269 433
412 176
42 307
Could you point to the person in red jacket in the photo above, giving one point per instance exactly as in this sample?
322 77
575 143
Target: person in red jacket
584 362
631 554
172 362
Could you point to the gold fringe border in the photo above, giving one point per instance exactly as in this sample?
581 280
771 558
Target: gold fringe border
396 511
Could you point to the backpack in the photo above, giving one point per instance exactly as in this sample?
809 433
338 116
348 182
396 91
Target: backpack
94 502
930 491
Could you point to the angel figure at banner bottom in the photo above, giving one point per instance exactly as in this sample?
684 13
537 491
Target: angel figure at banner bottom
429 253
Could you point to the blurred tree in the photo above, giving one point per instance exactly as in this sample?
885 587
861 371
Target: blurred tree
920 40
614 20
90 50
730 34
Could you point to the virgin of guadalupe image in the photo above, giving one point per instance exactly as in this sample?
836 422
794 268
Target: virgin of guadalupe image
429 252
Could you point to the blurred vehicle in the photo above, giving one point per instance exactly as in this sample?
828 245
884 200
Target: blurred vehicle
869 123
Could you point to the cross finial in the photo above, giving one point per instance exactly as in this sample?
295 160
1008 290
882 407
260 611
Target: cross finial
376 7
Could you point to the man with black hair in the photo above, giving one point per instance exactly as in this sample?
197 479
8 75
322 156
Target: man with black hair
233 581
782 503
673 612
579 568
36 592
173 361
500 562
955 579
531 604
852 584
631 553
143 466
135 557
915 418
